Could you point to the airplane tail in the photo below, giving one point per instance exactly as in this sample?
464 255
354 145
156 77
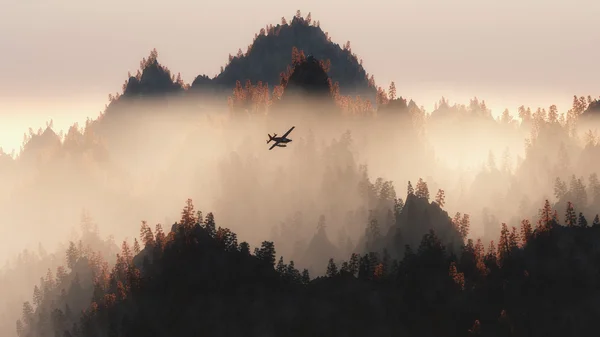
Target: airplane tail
270 138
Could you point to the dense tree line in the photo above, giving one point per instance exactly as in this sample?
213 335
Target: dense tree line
539 280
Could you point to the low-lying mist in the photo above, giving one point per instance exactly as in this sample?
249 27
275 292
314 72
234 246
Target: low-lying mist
143 161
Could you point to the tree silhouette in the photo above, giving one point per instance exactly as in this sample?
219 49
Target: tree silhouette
570 217
440 198
422 191
332 269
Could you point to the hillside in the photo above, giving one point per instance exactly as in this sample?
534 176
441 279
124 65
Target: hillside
534 284
269 55
266 59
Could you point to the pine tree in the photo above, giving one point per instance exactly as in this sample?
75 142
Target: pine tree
160 238
596 221
456 220
72 255
353 264
578 192
244 248
409 189
398 206
188 215
332 269
227 239
392 91
20 329
209 224
365 270
281 268
440 199
582 221
292 274
594 188
61 274
266 252
464 226
545 216
560 188
506 118
27 314
457 277
526 231
136 246
345 268
146 235
37 296
121 291
491 256
513 239
553 114
373 232
49 282
503 244
305 277
199 217
570 217
480 256
295 56
422 191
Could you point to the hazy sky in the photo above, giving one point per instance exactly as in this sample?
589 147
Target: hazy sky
61 58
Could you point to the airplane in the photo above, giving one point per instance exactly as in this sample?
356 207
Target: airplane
280 141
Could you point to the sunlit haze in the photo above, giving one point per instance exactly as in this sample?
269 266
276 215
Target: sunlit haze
60 58
462 136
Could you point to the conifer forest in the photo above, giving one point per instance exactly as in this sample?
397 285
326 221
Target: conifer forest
168 216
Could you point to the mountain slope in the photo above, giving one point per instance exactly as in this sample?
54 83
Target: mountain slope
269 56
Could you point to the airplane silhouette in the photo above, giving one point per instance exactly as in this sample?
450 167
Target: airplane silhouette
280 141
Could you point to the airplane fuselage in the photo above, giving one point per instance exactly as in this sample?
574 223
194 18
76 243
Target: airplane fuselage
282 140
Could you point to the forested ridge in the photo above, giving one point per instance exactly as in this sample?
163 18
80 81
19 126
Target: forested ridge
307 241
538 280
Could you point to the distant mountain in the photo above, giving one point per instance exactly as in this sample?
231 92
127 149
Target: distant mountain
269 56
267 60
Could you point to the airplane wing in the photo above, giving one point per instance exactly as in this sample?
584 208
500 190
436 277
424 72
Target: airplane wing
272 146
287 133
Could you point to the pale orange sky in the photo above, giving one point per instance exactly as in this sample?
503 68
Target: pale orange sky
61 58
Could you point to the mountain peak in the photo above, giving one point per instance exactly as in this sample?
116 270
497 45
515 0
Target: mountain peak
269 54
